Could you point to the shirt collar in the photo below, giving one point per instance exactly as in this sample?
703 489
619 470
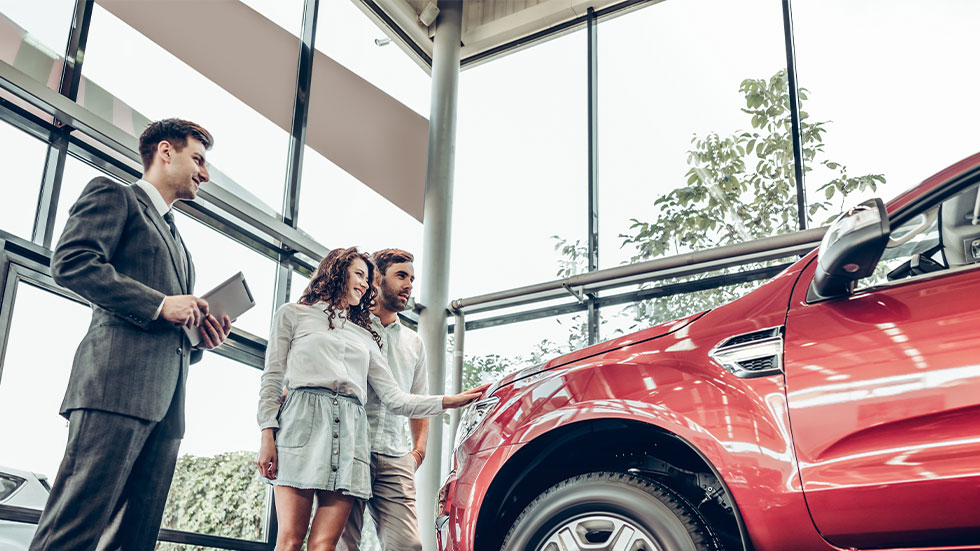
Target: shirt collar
393 326
155 197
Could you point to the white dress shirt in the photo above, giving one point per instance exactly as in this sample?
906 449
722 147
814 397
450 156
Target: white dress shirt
162 208
403 348
304 351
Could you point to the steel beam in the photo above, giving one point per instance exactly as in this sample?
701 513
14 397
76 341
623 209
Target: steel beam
794 111
54 165
593 192
436 240
780 246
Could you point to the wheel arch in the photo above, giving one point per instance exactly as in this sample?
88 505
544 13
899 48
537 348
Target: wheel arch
608 443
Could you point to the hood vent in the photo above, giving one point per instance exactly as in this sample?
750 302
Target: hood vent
749 355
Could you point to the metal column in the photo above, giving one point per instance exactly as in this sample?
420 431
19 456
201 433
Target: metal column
54 164
297 143
436 239
794 111
593 102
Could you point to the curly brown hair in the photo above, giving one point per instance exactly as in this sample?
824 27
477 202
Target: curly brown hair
331 284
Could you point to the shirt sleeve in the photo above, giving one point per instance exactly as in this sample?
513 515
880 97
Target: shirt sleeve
402 403
274 374
159 309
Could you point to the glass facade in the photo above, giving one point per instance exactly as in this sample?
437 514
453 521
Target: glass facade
671 98
694 151
521 157
236 127
22 158
898 98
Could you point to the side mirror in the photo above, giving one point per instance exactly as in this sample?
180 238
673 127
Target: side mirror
850 249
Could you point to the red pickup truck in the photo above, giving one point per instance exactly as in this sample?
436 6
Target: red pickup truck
837 406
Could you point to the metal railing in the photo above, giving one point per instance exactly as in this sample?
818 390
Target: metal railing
590 283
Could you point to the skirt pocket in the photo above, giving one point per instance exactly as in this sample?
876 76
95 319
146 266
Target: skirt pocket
295 421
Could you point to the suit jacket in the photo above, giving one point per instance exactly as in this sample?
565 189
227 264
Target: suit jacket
118 253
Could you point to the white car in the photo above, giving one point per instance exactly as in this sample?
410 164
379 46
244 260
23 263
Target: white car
20 489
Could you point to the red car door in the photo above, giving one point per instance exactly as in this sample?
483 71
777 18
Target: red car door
884 397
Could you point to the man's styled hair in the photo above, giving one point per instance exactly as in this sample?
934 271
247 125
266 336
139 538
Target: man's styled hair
387 257
174 131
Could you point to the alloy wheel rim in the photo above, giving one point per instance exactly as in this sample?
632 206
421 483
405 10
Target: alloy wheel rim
598 533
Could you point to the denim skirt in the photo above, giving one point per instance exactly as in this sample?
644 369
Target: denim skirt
322 443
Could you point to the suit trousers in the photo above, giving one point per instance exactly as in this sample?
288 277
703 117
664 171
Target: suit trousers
392 506
112 485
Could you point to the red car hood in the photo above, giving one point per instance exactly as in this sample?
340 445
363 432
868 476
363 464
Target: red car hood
650 333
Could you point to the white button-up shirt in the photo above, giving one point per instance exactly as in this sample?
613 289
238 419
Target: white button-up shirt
402 347
162 208
304 351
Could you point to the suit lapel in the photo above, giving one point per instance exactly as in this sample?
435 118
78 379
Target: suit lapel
164 230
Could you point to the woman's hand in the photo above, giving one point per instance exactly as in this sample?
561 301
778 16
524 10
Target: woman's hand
463 398
268 459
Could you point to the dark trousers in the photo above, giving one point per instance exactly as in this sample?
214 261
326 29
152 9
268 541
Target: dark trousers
112 484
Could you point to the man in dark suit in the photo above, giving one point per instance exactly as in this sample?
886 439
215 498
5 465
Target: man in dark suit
125 400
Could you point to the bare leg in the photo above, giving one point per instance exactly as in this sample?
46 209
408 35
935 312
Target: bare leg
332 509
293 507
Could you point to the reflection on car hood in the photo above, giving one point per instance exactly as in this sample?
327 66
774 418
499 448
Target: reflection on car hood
650 333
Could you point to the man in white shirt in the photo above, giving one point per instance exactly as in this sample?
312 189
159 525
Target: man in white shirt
395 455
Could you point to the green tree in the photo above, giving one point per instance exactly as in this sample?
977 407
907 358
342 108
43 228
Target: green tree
220 495
737 188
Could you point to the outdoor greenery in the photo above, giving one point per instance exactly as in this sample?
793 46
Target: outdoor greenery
220 495
738 187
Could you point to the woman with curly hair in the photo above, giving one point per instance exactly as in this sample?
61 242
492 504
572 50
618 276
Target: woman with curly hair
324 352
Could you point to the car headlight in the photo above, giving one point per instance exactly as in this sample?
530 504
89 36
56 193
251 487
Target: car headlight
472 417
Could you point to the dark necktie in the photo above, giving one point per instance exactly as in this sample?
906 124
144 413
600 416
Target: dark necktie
169 219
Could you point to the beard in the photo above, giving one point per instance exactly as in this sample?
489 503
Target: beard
390 300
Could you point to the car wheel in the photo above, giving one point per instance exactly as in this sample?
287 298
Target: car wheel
607 511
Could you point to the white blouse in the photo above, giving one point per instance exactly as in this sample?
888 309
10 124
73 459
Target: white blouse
304 351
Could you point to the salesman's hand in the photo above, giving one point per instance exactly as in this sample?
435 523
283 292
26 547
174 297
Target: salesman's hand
463 398
186 310
214 333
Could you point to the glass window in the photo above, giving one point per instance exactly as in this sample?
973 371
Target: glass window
34 378
495 351
676 173
339 211
350 38
249 148
47 24
217 257
22 158
944 237
288 14
895 84
215 489
297 286
623 319
77 175
520 166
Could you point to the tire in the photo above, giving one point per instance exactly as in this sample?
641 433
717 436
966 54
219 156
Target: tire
607 511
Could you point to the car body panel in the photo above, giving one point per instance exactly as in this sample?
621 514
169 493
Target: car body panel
885 410
742 426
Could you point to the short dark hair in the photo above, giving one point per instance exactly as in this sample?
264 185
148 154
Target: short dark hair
175 131
386 257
